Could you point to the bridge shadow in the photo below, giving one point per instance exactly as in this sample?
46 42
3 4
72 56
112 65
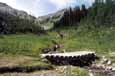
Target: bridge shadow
23 69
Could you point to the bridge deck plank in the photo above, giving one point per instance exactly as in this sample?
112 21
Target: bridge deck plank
68 54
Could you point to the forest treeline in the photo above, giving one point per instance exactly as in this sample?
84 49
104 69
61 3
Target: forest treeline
102 12
72 16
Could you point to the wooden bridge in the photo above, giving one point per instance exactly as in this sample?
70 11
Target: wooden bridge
81 58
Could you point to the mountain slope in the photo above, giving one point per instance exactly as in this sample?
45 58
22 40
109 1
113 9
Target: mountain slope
47 21
15 21
4 8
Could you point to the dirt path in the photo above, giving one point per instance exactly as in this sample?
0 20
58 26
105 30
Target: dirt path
37 73
9 63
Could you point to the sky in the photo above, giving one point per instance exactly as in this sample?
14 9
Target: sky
44 7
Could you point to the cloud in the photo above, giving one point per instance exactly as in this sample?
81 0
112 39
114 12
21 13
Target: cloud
9 2
43 7
62 3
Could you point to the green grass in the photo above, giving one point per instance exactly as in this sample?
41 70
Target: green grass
23 44
80 72
75 71
100 40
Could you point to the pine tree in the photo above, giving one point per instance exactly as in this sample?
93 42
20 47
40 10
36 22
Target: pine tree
108 1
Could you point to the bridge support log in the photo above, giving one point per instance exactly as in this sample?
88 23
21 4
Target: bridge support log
75 59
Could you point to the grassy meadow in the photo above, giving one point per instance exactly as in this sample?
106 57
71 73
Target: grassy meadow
22 51
75 39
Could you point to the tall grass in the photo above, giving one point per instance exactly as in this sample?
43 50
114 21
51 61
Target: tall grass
23 44
80 72
87 37
101 40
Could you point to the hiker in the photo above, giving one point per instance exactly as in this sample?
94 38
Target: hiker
56 47
60 35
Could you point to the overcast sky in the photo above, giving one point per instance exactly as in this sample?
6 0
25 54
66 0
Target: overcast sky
44 7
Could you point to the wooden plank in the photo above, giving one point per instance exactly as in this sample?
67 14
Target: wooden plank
68 54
